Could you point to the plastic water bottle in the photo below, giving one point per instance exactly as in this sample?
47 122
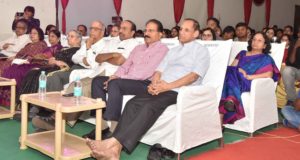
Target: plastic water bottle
42 85
77 90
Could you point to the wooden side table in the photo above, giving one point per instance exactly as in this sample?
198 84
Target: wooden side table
58 144
5 113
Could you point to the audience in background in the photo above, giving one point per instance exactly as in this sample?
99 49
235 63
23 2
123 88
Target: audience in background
241 32
27 15
115 31
287 39
139 33
279 34
271 35
228 33
208 34
166 33
289 30
49 28
175 31
213 23
82 29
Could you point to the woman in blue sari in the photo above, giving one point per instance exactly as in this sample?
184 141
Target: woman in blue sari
248 65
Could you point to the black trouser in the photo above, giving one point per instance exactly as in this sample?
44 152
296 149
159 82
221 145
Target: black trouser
140 113
117 88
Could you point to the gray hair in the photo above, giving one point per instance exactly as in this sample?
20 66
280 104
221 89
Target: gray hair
78 34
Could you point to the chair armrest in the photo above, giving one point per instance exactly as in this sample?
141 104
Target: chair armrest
262 85
194 97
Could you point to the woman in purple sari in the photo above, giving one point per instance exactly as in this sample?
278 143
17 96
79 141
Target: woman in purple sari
248 65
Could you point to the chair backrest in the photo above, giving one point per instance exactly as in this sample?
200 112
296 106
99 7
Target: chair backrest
219 54
277 52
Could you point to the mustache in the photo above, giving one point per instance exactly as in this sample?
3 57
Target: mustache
146 36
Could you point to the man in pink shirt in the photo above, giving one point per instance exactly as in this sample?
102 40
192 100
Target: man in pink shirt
132 77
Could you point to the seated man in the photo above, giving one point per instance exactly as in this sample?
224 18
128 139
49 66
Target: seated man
14 44
133 76
291 73
292 115
184 65
113 55
84 57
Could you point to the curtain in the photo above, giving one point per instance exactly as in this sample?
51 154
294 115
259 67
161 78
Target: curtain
64 4
210 8
268 11
118 4
247 10
178 9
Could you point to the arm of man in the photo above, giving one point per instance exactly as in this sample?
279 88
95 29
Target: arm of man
163 86
112 58
80 55
155 79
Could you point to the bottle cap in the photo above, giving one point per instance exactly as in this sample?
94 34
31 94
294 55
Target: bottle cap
43 72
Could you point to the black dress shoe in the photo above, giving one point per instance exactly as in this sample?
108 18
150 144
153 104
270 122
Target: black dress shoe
105 134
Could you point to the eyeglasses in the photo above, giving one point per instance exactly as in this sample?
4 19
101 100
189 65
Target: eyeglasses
95 29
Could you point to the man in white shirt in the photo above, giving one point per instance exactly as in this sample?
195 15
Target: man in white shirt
108 59
84 57
114 55
14 44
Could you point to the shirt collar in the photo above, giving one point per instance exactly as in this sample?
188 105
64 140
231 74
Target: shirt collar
188 43
153 44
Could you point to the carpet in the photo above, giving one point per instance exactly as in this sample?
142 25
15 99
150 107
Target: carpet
278 144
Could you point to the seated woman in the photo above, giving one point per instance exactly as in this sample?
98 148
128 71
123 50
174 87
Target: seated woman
36 46
248 65
62 60
18 71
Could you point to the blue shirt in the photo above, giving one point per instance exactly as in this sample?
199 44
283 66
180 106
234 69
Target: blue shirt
183 60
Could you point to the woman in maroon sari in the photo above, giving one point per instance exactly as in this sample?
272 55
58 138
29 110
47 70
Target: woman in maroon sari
248 65
35 56
37 46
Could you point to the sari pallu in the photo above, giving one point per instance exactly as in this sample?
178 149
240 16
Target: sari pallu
30 82
37 57
235 83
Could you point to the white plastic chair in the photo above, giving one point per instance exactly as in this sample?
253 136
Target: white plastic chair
260 103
